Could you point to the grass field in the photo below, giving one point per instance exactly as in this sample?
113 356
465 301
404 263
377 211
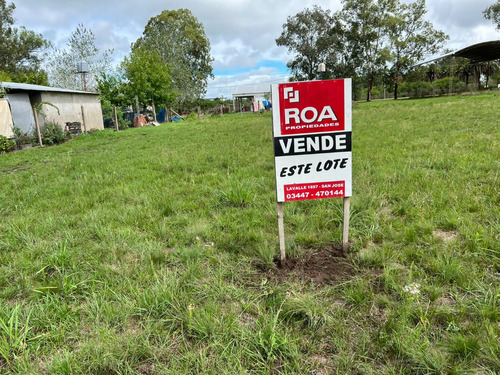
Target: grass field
151 251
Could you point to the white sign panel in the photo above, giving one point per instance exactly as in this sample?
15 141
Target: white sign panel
312 127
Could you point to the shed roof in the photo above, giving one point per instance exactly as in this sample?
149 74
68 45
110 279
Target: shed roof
249 90
29 87
480 52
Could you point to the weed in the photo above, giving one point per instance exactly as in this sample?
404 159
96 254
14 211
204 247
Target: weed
358 292
463 346
6 145
13 335
237 194
272 343
305 309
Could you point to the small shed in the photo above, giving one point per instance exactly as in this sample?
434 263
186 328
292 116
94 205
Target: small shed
253 92
57 105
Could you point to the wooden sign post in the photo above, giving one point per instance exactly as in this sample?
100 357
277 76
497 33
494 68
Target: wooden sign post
312 128
345 225
281 233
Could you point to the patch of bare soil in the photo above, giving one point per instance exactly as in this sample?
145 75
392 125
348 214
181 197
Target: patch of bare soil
322 365
146 368
326 265
17 169
445 236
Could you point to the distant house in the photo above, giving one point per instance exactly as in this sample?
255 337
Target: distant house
64 106
252 92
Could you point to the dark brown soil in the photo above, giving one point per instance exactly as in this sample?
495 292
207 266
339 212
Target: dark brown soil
325 265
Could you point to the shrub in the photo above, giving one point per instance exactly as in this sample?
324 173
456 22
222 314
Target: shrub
109 115
192 116
22 138
52 133
443 86
6 145
415 89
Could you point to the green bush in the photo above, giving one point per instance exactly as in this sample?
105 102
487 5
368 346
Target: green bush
443 86
439 87
6 145
415 89
109 115
52 134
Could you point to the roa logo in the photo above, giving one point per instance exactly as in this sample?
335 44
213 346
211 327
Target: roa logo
312 107
307 115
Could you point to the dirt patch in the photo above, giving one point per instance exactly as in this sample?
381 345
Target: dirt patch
17 169
146 368
445 236
247 319
326 265
322 365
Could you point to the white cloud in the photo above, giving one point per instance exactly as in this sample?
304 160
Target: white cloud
225 85
463 21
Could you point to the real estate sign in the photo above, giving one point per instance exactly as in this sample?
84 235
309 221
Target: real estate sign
312 126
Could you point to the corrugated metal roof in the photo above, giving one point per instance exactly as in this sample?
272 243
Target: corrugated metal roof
252 89
479 52
29 87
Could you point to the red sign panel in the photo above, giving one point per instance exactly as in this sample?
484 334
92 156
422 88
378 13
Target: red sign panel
312 107
300 192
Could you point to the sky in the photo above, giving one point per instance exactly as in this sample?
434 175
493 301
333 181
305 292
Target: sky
242 33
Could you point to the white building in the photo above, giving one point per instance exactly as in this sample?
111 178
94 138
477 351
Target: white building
253 92
59 106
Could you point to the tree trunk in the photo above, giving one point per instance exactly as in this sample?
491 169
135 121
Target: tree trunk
396 79
370 86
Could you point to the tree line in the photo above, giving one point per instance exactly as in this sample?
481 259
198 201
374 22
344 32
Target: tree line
367 40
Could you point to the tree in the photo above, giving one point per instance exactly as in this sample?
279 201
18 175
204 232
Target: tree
179 40
20 49
411 37
492 13
112 88
360 41
366 25
112 96
148 77
310 35
62 66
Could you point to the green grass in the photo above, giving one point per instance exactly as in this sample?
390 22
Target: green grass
150 251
